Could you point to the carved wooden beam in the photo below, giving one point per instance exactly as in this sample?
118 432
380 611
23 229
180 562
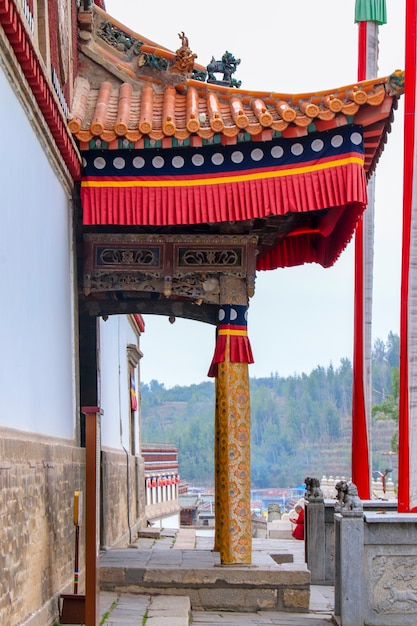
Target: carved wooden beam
175 266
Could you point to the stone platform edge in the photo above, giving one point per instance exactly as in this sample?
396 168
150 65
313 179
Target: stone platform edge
230 589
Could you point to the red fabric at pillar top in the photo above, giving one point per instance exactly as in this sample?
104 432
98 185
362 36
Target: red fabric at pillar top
232 342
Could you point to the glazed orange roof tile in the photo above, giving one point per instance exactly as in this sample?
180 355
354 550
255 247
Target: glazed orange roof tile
203 111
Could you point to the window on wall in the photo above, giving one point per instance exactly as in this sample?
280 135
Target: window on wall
43 30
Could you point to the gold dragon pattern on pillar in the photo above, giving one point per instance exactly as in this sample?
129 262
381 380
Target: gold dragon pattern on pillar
232 355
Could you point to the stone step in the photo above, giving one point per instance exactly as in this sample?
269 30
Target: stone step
198 574
149 533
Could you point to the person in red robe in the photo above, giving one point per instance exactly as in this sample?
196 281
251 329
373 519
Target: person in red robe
298 530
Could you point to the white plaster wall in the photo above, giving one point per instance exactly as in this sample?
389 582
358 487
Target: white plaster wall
37 390
115 335
171 522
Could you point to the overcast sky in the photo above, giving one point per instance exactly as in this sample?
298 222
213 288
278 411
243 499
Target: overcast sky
299 317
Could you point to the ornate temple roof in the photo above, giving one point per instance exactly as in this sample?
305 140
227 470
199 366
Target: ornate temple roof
144 97
169 144
200 112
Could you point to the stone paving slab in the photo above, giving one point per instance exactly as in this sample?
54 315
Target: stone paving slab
185 540
124 610
154 558
166 621
258 619
130 610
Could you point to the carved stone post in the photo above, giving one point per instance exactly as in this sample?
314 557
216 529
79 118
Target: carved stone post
274 511
233 536
349 555
315 545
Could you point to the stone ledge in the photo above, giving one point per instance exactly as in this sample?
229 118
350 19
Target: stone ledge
283 587
149 533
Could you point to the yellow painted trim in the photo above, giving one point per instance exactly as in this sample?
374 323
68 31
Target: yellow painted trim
240 333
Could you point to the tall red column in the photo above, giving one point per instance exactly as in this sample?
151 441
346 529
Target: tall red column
407 427
369 15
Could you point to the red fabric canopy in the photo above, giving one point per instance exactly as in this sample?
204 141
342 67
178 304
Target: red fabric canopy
314 246
149 202
224 184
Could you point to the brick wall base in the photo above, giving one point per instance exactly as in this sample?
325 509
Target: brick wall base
38 477
121 516
37 534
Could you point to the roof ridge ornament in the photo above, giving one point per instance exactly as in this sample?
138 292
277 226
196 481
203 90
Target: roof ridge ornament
119 39
184 60
395 85
227 66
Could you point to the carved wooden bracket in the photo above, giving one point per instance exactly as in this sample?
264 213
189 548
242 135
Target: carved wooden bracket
177 266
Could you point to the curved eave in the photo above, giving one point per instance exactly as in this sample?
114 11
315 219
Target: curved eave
119 104
126 115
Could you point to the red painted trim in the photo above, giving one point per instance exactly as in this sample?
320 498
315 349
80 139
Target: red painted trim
26 56
409 130
139 322
87 410
362 46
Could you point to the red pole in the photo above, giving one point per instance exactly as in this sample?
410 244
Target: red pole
408 183
360 452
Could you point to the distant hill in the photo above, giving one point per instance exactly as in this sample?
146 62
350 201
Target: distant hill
300 425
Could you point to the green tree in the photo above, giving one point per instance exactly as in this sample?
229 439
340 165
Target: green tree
389 408
300 424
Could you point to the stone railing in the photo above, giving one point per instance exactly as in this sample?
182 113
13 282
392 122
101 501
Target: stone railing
327 484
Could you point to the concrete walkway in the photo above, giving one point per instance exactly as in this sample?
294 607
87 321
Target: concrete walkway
127 609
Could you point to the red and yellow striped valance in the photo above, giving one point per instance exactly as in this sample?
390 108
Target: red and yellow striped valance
216 183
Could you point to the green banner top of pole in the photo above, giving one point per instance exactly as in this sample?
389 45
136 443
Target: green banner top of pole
371 11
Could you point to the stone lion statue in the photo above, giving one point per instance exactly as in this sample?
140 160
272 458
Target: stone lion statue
347 498
313 490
